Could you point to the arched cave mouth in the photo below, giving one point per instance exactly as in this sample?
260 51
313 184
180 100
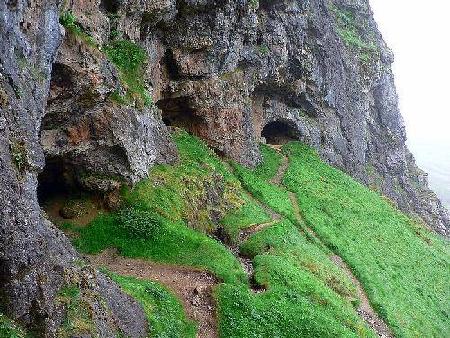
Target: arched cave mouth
56 180
62 197
177 113
280 132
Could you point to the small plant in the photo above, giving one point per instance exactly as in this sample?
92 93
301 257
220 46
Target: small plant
129 58
263 50
69 21
254 4
139 224
19 154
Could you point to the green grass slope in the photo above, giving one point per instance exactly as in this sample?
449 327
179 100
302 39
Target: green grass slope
8 329
404 268
164 311
307 295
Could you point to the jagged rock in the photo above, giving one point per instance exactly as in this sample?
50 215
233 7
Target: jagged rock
223 70
36 260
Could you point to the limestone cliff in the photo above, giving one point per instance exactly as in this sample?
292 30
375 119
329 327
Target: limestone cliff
86 103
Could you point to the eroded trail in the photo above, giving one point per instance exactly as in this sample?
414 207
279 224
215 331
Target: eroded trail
193 287
365 310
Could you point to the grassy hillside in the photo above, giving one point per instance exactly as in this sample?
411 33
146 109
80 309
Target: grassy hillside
403 267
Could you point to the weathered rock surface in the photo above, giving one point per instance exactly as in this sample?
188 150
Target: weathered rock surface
36 260
223 70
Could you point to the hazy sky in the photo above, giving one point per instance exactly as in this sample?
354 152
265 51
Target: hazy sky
418 32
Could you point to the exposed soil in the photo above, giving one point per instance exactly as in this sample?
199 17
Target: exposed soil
192 286
365 310
278 178
90 210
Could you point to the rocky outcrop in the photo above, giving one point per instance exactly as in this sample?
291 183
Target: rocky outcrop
321 68
232 72
37 262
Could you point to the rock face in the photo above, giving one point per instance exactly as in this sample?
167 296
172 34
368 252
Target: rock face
37 262
233 72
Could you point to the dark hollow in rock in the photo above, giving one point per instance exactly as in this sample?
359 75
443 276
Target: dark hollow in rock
280 132
110 6
57 179
177 113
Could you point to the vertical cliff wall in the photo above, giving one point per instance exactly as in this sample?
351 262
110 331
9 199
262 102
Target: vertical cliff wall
235 73
37 262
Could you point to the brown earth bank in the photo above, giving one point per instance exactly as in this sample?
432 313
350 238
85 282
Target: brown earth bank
193 287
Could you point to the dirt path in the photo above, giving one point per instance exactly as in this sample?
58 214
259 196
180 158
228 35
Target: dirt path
193 287
365 310
278 178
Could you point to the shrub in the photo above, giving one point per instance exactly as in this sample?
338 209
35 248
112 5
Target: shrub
137 223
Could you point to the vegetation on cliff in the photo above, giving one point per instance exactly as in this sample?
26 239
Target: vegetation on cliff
296 288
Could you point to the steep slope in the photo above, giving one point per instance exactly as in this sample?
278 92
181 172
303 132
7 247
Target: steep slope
295 279
85 107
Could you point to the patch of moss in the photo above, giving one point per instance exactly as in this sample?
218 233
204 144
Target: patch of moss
78 319
263 50
9 329
19 154
129 58
351 33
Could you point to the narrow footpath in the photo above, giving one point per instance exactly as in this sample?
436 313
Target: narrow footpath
192 286
365 310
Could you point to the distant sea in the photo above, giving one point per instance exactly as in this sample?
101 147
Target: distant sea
434 158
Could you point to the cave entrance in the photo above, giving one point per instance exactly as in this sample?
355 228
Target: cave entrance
55 180
280 132
61 196
177 113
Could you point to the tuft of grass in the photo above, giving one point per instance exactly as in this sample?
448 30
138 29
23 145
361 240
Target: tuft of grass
129 58
404 268
263 50
19 154
9 329
248 214
165 313
69 21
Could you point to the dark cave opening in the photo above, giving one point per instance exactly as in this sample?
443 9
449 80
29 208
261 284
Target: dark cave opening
61 196
280 132
110 6
57 179
177 113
